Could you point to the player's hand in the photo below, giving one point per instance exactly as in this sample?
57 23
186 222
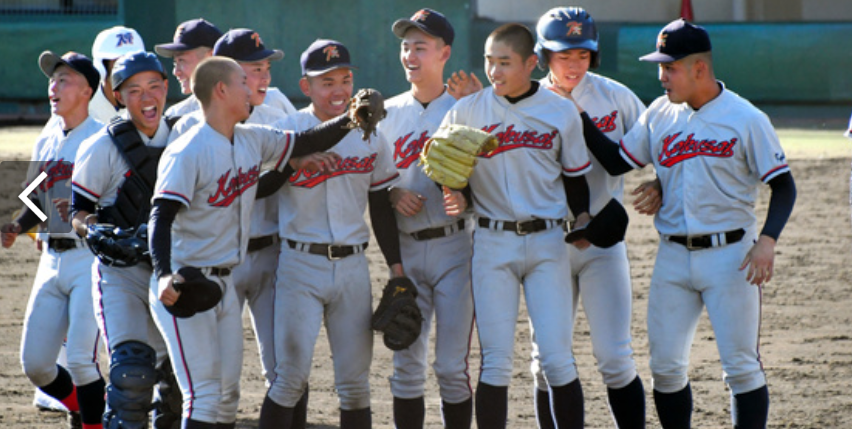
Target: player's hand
406 202
565 93
454 202
461 84
323 162
649 197
760 261
63 206
8 233
581 222
168 294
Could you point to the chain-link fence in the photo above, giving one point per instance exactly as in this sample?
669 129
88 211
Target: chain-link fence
58 7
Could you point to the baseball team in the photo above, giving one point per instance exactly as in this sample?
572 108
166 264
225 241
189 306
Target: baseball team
268 203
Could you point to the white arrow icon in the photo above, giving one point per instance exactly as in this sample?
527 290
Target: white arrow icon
25 196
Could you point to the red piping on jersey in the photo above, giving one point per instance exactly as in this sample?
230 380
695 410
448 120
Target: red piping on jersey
185 367
85 190
284 153
772 171
574 170
627 152
382 182
175 194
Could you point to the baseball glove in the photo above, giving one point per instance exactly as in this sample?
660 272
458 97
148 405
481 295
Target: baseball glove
366 109
197 293
450 155
398 315
116 247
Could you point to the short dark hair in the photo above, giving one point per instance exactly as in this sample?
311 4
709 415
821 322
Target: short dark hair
208 73
517 36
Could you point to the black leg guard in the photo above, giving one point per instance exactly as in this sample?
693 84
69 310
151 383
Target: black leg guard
457 416
567 405
195 424
356 419
543 415
492 406
92 402
132 377
674 409
628 405
274 416
409 413
751 409
300 411
168 402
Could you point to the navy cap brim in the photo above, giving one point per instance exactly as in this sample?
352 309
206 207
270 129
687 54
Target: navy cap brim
314 73
402 25
168 50
48 62
659 57
266 54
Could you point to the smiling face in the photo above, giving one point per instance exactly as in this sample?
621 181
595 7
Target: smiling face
423 56
144 95
258 77
507 71
185 62
567 68
67 91
329 92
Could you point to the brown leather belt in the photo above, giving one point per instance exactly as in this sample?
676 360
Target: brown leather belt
698 242
260 243
329 250
438 232
220 271
520 228
60 245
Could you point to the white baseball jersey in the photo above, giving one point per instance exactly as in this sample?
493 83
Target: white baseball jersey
533 134
184 107
276 99
319 208
709 161
101 109
614 108
407 128
55 153
101 169
848 132
203 170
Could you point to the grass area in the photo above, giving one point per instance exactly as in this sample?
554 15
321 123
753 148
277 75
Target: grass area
16 142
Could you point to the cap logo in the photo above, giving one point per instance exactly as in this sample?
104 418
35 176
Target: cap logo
330 52
124 39
421 15
574 28
178 33
661 40
257 41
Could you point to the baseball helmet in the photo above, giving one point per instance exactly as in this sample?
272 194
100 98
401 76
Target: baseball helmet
564 28
136 62
113 43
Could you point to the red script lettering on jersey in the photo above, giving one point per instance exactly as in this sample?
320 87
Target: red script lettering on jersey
510 139
677 151
232 187
348 165
56 171
606 123
406 153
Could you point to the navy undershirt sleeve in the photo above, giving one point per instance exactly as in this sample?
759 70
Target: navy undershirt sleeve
384 225
605 150
781 204
163 215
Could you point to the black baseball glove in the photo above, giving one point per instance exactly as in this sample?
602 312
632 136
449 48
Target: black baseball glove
197 293
118 247
397 315
366 109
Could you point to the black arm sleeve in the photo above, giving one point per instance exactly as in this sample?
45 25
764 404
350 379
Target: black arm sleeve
321 137
384 225
27 219
160 235
79 203
577 193
780 204
605 150
272 180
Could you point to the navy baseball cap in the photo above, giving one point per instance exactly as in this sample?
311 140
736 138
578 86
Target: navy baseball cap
245 46
48 62
191 34
429 21
324 56
128 65
677 40
606 229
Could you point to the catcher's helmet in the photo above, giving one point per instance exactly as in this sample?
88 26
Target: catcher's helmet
564 28
113 43
130 64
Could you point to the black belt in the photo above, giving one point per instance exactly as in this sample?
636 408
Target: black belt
220 271
63 244
260 243
329 250
698 242
520 228
441 231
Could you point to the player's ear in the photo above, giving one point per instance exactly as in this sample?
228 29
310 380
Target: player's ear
446 51
305 86
530 63
118 97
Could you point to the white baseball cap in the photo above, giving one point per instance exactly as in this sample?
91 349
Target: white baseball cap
113 43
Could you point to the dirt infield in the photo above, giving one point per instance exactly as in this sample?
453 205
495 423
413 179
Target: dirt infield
806 342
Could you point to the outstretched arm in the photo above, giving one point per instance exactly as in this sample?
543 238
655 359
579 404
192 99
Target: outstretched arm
604 149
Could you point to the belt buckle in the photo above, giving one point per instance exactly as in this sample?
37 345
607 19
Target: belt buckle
689 245
519 229
330 253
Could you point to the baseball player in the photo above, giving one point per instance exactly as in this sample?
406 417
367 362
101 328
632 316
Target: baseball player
207 177
323 274
435 247
193 41
567 48
711 149
102 193
108 46
60 305
521 193
848 134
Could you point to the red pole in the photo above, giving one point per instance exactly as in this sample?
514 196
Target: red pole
686 10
